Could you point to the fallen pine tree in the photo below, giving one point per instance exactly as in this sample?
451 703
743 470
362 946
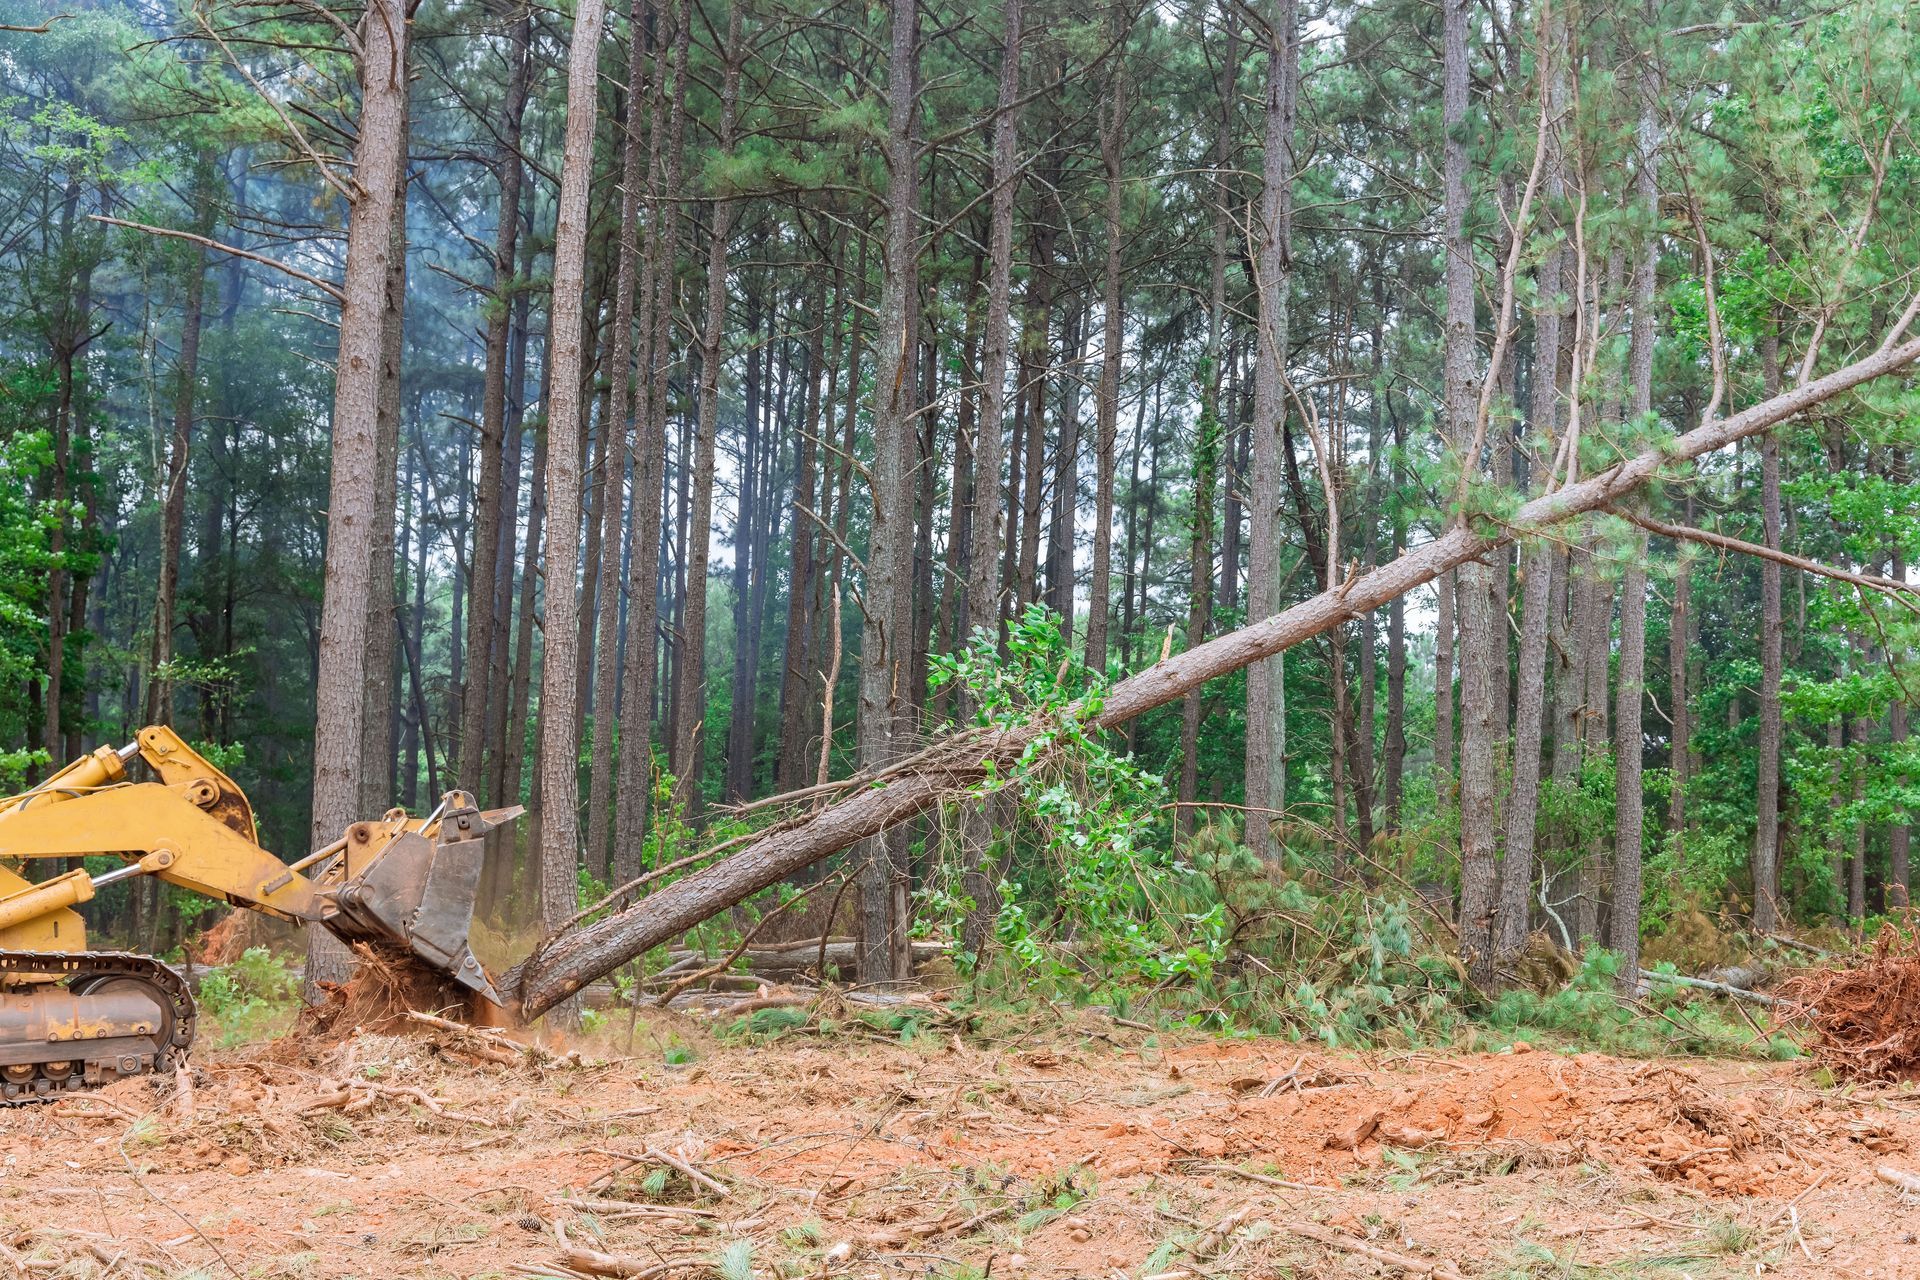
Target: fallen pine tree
965 758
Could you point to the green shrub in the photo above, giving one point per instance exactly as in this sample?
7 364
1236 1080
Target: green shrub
254 996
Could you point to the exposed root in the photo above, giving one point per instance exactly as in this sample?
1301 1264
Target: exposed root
387 986
1866 1019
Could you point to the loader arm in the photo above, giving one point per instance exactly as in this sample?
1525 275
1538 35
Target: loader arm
405 881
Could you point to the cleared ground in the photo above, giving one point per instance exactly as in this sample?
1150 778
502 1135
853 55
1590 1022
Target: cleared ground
1081 1149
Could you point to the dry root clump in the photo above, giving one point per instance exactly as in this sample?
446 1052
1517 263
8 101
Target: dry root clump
1866 1019
387 985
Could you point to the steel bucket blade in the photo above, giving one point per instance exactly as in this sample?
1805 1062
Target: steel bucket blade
420 894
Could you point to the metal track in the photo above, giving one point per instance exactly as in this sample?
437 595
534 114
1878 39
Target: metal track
112 1060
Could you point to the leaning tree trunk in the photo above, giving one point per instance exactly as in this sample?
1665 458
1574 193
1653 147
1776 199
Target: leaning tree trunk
593 951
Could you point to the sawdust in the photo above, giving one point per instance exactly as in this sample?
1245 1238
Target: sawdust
1086 1154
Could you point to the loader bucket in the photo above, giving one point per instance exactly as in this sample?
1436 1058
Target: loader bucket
419 893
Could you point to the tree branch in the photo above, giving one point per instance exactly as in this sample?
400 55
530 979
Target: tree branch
1904 593
331 290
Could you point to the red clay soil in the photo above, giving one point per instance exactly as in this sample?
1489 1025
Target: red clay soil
1094 1154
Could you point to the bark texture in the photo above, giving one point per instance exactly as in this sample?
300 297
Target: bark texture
566 407
353 488
1266 758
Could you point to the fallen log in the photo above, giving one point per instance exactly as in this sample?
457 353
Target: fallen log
787 959
1651 978
968 757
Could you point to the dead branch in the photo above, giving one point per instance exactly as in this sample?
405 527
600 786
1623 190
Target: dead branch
358 1095
593 1262
654 1155
1900 1178
331 290
1718 988
1439 1268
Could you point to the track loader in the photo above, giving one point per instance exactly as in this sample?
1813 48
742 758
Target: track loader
73 1019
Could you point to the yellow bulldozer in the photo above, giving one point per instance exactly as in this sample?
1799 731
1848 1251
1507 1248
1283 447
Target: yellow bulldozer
72 1018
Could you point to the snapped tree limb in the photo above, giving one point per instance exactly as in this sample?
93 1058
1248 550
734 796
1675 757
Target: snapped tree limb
586 954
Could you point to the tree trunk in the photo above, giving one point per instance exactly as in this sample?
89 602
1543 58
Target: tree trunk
796 713
1520 865
159 701
515 753
640 674
1629 803
1478 637
377 757
1266 750
1059 596
1107 414
690 699
983 557
352 510
619 454
1766 854
1900 837
560 630
1679 753
499 705
739 744
492 518
1207 447
592 951
1595 647
1394 768
885 648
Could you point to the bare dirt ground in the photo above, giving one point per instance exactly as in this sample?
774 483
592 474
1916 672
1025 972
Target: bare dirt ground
1084 1150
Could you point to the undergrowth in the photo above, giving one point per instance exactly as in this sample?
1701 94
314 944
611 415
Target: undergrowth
1098 902
254 997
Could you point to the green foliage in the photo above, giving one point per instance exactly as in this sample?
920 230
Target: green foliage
251 997
1588 1012
1091 886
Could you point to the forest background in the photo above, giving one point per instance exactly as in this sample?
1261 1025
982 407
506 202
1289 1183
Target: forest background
865 369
